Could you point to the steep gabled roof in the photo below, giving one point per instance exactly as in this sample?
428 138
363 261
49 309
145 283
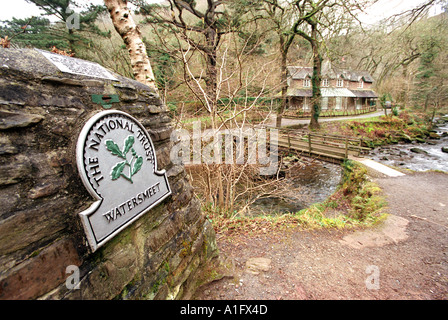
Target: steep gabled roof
300 73
358 75
354 75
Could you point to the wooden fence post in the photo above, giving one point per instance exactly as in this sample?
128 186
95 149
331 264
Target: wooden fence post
346 147
360 147
289 142
309 142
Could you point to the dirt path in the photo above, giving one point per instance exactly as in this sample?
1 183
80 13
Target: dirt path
404 258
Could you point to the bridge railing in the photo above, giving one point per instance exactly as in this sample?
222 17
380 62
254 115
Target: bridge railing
330 145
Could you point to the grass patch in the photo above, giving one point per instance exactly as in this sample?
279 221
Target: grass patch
383 130
370 119
356 203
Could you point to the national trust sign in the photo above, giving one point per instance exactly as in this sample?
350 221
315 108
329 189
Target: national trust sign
117 164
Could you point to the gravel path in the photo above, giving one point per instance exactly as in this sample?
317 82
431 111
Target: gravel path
292 122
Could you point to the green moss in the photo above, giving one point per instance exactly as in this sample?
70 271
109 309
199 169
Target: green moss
166 266
35 253
156 286
129 288
186 251
103 274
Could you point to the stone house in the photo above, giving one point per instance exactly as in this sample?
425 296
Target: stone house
341 89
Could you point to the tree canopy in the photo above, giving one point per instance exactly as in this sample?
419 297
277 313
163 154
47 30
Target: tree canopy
210 50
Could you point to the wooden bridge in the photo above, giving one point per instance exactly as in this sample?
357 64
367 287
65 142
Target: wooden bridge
329 147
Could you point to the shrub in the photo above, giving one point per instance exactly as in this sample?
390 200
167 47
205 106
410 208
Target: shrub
364 196
353 177
395 112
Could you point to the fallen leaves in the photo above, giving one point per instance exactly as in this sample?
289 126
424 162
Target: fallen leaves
5 42
256 225
62 52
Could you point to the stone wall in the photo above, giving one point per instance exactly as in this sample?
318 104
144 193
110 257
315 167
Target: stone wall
42 111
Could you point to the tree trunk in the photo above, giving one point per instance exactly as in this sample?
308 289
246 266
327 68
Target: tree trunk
316 79
71 41
211 81
426 103
284 82
130 33
405 87
433 113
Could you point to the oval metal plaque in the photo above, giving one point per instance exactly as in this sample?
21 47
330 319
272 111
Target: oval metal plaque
117 164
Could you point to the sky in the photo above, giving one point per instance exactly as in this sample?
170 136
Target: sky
23 9
384 8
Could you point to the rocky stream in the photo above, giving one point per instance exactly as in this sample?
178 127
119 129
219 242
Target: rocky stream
318 179
431 155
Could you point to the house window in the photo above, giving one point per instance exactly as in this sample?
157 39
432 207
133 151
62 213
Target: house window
340 83
360 84
307 83
325 83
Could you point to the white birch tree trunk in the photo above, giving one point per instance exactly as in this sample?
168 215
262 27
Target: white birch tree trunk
130 33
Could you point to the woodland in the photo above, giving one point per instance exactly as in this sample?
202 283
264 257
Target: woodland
209 56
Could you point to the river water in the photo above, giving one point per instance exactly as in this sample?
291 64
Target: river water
312 182
401 155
